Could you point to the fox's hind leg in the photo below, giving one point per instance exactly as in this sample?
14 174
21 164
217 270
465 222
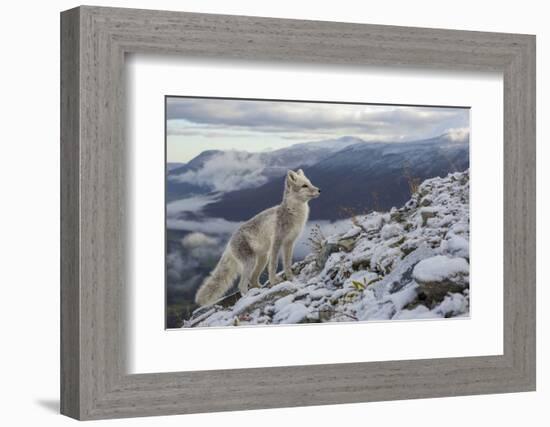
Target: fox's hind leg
274 262
246 257
248 265
261 262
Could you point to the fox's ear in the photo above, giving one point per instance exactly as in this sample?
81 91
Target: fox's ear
291 176
300 172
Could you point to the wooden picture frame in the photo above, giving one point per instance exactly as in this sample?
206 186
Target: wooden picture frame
94 41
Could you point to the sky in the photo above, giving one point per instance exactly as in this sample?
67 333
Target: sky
198 124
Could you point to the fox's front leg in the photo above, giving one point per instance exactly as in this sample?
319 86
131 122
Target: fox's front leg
273 262
288 247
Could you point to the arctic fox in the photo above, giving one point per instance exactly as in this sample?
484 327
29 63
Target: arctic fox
259 241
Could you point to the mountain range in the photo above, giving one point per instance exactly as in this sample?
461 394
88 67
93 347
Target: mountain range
355 176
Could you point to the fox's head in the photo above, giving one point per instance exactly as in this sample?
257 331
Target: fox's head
299 187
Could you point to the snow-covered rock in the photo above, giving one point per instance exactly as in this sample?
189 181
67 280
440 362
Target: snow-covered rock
439 268
391 230
409 263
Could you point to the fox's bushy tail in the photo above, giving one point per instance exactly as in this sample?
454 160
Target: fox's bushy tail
219 280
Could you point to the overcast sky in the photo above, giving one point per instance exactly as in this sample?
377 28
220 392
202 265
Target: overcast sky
198 124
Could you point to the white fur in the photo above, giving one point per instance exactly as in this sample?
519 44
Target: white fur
258 242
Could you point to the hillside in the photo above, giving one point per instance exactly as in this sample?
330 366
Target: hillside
409 263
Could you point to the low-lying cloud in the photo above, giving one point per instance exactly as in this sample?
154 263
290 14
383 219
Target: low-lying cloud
227 171
206 225
458 134
189 204
197 239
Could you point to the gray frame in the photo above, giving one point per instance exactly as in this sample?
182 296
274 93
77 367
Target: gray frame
94 40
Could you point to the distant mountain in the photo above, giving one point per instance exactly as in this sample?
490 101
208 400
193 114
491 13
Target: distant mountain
173 165
182 181
176 189
196 163
332 145
278 162
362 177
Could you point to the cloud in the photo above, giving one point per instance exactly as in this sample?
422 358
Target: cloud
458 134
197 239
192 116
202 247
206 225
189 204
176 264
227 171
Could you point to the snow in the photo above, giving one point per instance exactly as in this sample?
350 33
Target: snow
281 303
291 313
352 232
379 273
372 222
402 298
391 230
456 245
365 277
454 304
254 296
439 268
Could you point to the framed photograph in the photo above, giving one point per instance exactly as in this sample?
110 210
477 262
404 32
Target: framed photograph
262 213
243 189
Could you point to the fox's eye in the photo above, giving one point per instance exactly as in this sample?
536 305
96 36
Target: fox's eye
304 186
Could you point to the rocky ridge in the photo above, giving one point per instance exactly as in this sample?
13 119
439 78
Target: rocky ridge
409 263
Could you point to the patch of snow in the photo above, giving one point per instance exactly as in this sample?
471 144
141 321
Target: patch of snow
254 296
372 222
352 232
391 230
280 303
452 305
291 313
457 246
403 297
439 268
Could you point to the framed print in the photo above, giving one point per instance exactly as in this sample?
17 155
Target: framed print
337 252
351 208
147 96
